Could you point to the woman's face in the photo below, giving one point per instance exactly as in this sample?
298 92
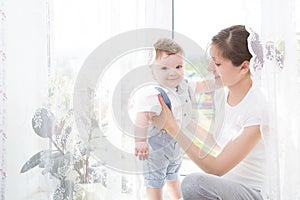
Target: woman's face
226 74
168 70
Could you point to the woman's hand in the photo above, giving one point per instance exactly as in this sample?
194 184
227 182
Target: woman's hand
165 119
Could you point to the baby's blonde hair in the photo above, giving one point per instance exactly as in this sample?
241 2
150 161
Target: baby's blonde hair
168 46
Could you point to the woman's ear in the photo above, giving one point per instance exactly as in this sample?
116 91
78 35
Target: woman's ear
245 67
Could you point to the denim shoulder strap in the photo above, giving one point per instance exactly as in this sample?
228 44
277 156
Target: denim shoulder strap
165 97
189 89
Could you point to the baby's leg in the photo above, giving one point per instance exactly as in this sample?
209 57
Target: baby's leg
173 188
154 193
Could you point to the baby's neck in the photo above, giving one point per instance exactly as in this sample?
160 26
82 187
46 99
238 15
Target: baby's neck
175 89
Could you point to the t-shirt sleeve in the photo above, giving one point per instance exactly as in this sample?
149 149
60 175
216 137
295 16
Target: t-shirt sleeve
257 114
258 117
254 118
145 100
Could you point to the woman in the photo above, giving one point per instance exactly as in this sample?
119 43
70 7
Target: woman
238 170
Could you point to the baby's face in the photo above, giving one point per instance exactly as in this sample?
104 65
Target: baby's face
168 70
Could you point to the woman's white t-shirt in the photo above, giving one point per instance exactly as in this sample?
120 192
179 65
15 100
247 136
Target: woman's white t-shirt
230 121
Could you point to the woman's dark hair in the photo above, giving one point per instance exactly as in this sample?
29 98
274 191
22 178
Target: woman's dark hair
232 42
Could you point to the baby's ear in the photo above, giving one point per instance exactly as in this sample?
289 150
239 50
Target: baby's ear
153 75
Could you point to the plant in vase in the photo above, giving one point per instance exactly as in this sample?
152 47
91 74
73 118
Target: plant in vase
66 159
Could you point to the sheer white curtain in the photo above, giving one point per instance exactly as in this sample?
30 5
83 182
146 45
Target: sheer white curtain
26 84
46 43
280 78
278 26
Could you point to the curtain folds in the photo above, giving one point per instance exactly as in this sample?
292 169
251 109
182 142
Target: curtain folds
282 85
279 77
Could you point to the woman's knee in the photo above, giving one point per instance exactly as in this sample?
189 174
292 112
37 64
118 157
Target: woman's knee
192 185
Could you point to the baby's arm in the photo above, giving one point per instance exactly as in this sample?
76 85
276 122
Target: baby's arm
140 134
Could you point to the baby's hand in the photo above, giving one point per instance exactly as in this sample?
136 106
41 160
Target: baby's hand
142 150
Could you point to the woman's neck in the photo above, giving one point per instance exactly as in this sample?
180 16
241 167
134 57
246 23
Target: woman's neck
238 91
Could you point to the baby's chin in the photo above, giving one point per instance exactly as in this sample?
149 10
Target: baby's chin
171 84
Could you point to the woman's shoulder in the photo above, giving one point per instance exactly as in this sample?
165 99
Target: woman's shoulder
257 96
256 106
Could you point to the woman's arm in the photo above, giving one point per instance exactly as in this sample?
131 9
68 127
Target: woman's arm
202 135
229 157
